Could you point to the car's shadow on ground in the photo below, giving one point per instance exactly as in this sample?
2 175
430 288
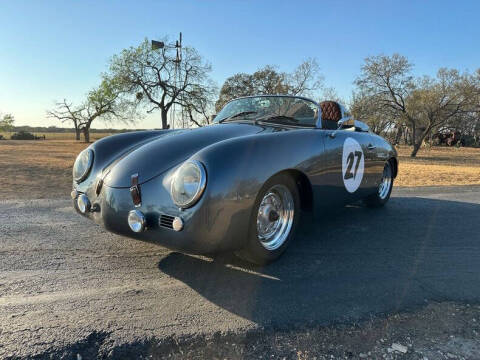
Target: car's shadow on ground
349 264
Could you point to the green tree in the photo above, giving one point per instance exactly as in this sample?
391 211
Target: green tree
6 122
304 80
157 80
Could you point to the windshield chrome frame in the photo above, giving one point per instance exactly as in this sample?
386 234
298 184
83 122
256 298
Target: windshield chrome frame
318 122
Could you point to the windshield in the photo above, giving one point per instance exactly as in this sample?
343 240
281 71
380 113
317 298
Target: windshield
277 109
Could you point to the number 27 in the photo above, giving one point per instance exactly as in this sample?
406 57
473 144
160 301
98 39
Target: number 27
357 155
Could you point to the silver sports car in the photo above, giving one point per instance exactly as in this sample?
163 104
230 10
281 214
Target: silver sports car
240 184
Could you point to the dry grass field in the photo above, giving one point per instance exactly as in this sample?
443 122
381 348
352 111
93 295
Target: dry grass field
37 169
43 169
59 136
439 166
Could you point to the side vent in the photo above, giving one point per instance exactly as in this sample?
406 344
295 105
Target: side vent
166 221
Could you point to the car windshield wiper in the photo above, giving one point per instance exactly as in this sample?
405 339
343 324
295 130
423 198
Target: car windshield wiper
283 119
243 113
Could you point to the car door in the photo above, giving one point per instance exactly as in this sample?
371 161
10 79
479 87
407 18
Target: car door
350 166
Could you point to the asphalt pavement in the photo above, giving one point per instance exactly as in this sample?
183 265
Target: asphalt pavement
69 287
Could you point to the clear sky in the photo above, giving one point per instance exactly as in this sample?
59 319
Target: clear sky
55 49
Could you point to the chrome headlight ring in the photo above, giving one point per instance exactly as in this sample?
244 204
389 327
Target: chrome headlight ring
188 184
83 165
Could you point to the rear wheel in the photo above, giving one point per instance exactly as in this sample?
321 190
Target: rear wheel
384 189
273 222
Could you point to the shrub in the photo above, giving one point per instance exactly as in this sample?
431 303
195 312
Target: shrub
1 137
23 135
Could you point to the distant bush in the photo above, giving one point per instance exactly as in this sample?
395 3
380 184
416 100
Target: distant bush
24 135
1 137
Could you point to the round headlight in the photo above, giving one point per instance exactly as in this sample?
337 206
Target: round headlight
188 184
82 165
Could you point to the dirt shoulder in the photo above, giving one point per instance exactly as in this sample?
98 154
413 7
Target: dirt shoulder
437 331
43 169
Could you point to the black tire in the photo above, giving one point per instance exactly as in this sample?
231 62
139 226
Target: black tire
377 200
254 251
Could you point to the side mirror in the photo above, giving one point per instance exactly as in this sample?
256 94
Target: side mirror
346 123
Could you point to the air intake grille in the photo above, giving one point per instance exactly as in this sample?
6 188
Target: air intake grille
166 221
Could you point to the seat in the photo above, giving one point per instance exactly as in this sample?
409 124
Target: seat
331 114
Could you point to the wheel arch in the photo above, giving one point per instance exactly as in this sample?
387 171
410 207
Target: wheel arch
394 163
304 187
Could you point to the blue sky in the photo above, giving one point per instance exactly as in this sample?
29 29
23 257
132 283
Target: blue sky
55 49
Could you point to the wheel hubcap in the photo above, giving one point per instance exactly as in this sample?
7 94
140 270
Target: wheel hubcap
275 217
386 182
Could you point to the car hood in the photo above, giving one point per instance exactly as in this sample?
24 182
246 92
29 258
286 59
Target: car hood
169 149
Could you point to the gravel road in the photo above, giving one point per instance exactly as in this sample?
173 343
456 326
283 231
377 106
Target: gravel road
68 287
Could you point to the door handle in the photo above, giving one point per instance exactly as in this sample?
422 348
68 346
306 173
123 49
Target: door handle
371 147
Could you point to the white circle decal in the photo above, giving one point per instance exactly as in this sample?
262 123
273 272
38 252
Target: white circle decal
353 164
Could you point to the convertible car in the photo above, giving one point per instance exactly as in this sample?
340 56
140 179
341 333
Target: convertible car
239 184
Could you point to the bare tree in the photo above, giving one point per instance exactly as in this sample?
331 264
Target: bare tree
330 94
385 84
436 101
65 112
104 102
381 120
156 79
423 104
305 79
198 104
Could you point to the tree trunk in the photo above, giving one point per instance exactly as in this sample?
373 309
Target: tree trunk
86 133
77 133
414 138
398 136
417 143
164 119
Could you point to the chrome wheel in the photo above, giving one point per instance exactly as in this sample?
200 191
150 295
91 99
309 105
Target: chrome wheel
386 182
275 217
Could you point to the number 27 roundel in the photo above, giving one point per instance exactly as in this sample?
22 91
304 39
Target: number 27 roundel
353 164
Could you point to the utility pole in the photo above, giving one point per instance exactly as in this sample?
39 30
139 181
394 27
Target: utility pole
176 76
156 45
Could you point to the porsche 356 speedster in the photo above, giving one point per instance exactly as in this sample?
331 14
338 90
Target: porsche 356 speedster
239 184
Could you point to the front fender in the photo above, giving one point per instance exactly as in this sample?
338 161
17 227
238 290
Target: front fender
109 149
238 168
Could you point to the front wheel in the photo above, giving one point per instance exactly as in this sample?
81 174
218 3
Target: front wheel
273 222
384 190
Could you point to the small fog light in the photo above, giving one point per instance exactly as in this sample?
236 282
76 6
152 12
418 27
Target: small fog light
136 221
83 203
177 224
